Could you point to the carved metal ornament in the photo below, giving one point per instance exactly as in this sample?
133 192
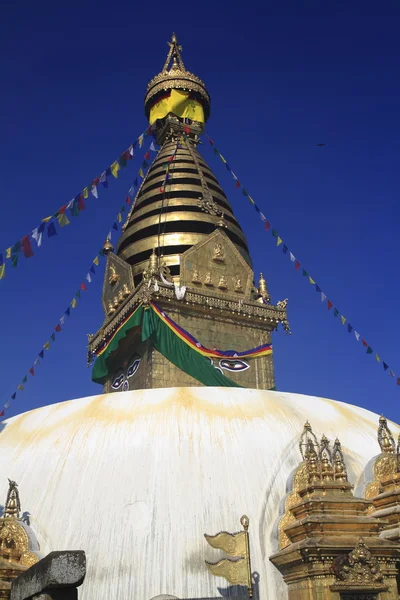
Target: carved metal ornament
385 437
358 568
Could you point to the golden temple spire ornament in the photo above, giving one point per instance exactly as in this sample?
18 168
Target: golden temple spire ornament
385 437
325 458
238 571
174 54
306 436
107 247
339 466
12 506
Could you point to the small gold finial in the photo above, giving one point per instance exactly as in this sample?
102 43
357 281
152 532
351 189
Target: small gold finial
174 54
339 466
153 263
12 506
307 435
385 438
263 295
221 221
108 247
313 464
325 457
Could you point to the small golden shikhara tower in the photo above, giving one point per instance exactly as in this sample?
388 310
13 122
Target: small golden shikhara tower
183 249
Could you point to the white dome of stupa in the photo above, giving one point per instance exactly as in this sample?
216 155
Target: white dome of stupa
136 478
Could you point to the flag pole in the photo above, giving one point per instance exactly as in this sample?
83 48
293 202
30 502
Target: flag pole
245 524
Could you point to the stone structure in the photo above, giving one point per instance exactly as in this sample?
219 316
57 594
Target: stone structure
55 577
181 230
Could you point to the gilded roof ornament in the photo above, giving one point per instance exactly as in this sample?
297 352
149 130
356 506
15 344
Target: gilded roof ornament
174 76
12 506
385 437
107 247
325 458
339 466
307 435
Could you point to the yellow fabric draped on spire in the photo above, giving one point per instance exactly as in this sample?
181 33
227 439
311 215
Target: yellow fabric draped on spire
179 103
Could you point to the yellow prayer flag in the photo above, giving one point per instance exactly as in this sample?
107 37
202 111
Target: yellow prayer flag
236 572
74 303
119 217
231 543
141 172
96 260
378 358
86 192
20 387
222 158
2 271
46 346
141 141
311 280
343 319
251 199
62 219
47 219
8 252
115 168
278 241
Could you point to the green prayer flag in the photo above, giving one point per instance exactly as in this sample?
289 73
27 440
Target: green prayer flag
25 379
369 350
53 337
335 312
14 260
78 294
274 233
305 274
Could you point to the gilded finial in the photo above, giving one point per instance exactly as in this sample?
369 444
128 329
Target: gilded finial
307 435
174 54
263 295
12 506
108 247
325 457
385 438
339 466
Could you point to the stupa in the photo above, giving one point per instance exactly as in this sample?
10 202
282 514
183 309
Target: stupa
189 433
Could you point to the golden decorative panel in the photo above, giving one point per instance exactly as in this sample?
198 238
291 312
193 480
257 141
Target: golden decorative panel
300 481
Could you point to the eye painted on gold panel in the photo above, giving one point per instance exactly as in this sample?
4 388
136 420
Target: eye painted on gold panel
234 365
133 365
118 379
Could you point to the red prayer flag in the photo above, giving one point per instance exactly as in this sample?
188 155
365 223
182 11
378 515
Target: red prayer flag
96 181
2 413
398 381
211 142
364 342
57 328
128 200
147 155
81 203
329 305
31 371
83 287
26 247
297 265
267 226
62 209
237 184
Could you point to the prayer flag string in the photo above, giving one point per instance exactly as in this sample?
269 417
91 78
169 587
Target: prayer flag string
47 227
299 267
87 280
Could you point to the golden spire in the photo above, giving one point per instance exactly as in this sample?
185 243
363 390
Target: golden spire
339 466
12 506
174 54
325 457
385 438
263 295
307 435
108 247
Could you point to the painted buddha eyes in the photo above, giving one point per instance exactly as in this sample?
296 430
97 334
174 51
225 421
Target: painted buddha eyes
233 364
120 379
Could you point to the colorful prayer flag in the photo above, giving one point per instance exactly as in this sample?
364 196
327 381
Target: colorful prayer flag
73 303
343 319
115 167
311 280
26 247
329 305
2 271
278 241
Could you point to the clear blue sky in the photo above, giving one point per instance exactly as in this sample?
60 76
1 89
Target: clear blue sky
283 77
